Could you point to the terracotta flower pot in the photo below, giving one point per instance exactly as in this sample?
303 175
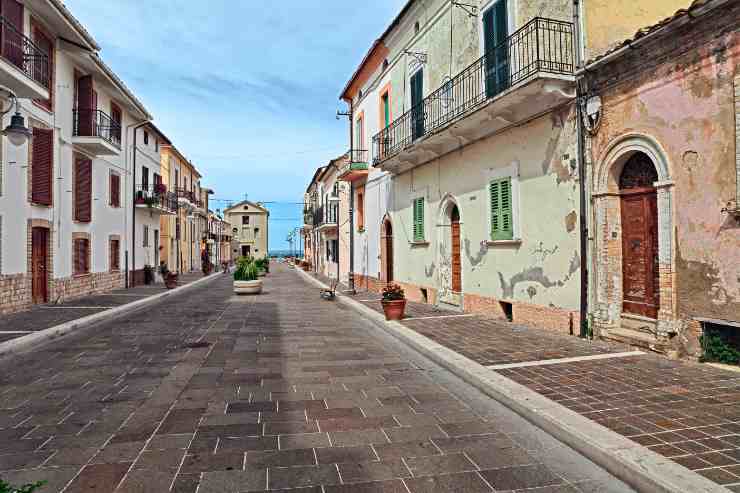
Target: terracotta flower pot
394 310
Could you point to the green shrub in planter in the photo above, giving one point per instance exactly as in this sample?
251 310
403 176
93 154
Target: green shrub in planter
246 270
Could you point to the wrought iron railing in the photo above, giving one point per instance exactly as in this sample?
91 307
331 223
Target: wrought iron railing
24 54
184 193
358 156
155 196
326 215
95 123
541 45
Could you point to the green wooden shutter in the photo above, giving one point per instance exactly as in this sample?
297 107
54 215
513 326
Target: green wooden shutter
419 219
502 218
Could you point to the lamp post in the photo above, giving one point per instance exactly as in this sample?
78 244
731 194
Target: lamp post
17 132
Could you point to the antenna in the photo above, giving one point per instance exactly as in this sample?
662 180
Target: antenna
343 113
420 56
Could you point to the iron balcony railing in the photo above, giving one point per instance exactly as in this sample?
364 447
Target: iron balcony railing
24 54
326 215
541 45
155 196
358 156
184 193
96 123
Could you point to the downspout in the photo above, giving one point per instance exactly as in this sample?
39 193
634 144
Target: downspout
351 204
580 136
135 126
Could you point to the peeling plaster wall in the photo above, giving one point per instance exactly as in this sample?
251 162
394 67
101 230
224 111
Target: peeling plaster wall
685 103
539 270
608 22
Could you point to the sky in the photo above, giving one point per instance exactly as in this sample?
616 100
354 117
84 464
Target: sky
248 89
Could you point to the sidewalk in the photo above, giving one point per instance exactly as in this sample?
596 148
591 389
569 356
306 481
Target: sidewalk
684 411
41 317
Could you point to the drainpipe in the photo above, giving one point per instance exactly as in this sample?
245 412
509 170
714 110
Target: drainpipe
351 205
580 136
135 127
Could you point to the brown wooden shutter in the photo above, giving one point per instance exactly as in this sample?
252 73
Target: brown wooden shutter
83 190
115 190
12 11
81 248
42 166
85 106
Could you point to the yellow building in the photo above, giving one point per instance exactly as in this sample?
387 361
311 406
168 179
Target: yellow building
249 222
180 234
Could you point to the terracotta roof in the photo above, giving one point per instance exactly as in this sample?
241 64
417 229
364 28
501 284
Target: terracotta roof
697 7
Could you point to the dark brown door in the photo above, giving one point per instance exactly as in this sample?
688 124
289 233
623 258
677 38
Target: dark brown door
456 263
640 252
388 251
39 267
85 106
12 11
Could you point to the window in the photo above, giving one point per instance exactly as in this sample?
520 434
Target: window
502 220
115 190
144 178
418 206
83 190
146 236
359 133
245 220
417 27
385 65
156 144
146 138
361 209
335 251
256 233
42 164
81 256
386 109
115 255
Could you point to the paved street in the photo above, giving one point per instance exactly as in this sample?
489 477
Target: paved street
41 317
220 394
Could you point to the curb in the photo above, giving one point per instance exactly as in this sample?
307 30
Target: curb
22 344
634 464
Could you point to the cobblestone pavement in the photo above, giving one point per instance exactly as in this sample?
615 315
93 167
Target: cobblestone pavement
284 391
45 316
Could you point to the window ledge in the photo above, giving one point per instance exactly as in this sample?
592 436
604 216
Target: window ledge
421 243
514 242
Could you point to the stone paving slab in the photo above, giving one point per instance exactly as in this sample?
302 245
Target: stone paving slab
42 317
289 392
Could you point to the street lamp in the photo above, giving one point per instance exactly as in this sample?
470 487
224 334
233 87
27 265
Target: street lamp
17 132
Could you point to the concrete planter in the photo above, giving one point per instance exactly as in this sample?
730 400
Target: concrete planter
248 287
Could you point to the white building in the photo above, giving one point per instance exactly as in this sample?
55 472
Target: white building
67 191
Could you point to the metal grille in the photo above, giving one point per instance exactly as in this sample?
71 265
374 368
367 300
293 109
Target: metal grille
24 54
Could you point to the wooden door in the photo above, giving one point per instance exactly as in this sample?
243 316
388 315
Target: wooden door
456 261
417 104
85 106
495 32
640 252
12 40
387 251
39 265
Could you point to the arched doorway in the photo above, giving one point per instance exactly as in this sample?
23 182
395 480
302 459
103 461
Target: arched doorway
455 244
386 251
639 217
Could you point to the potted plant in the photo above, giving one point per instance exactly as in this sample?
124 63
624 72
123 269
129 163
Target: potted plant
394 302
160 189
246 277
263 266
139 199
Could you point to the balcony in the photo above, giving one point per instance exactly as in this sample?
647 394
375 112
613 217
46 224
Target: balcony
356 167
528 74
24 68
156 199
96 133
186 197
325 219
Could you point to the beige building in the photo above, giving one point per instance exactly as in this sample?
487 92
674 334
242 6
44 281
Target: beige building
249 227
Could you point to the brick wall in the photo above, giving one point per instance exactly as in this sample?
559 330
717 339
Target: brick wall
15 293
